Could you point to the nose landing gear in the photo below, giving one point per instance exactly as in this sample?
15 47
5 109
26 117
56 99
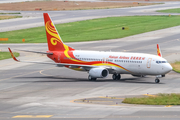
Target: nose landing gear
157 80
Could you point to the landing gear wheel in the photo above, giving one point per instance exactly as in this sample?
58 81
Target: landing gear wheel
116 76
90 78
94 79
157 80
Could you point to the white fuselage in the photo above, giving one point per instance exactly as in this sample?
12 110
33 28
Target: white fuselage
133 63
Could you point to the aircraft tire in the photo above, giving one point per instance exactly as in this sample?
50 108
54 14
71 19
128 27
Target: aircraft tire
157 80
94 79
91 79
114 77
118 77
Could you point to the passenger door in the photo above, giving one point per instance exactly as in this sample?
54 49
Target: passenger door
105 61
149 63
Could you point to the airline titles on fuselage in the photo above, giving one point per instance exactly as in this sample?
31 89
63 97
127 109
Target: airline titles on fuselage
127 58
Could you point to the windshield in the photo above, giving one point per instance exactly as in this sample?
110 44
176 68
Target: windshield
159 62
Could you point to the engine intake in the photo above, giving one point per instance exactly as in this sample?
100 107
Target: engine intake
98 72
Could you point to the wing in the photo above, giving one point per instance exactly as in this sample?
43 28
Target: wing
87 67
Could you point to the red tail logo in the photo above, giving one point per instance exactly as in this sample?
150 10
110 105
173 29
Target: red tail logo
54 40
158 51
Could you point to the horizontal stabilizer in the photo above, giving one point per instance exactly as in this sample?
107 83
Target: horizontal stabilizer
36 52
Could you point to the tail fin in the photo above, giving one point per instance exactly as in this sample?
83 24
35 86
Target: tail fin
159 51
54 40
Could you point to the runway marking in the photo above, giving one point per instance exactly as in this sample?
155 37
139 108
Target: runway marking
32 116
110 97
44 70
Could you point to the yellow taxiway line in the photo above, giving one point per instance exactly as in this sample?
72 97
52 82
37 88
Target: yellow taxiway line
168 106
32 116
150 95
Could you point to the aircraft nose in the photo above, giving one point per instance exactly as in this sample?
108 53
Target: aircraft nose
168 68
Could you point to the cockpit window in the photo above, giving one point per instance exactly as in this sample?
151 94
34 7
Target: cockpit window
159 62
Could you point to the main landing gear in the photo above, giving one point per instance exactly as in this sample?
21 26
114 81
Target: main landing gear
116 76
92 79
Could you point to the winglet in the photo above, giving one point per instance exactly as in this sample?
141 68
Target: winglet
159 51
13 55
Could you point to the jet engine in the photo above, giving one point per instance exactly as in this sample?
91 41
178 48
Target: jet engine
98 72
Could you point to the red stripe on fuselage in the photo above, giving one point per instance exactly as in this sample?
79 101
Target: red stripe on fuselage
60 57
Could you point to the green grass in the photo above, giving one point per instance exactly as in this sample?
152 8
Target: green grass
9 17
176 66
176 10
97 29
6 55
160 99
10 13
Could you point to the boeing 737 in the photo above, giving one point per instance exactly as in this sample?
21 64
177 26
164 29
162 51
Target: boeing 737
100 64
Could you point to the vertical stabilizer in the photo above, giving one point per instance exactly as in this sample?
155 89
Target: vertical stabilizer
54 40
159 51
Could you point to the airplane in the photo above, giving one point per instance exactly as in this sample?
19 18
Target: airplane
97 63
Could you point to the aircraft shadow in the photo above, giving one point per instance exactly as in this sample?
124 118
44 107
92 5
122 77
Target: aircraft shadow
68 79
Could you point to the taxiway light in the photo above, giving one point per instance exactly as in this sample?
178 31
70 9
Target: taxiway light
125 28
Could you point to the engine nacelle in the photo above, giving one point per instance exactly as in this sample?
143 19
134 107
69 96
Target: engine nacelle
98 72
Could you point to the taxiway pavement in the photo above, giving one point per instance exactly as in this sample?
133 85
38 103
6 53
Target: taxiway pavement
44 91
35 18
